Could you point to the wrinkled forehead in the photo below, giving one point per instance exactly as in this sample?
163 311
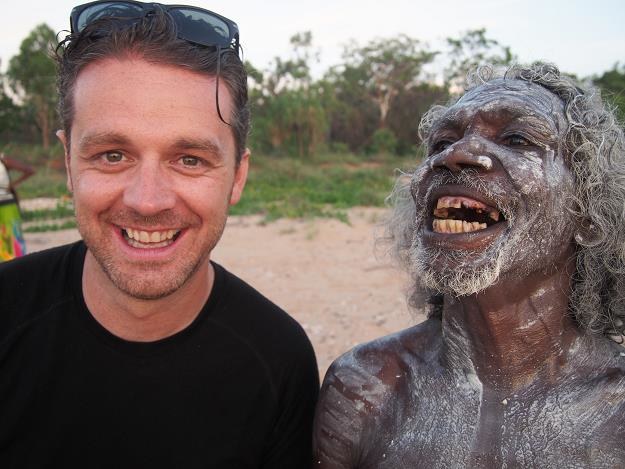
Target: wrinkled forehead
514 96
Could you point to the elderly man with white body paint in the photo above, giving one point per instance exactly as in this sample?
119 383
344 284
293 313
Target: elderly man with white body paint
513 231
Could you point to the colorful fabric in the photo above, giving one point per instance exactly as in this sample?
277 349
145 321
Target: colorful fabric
11 239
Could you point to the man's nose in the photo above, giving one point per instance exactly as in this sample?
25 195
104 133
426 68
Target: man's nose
150 190
461 155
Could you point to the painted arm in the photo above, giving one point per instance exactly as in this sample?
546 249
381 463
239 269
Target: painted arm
336 427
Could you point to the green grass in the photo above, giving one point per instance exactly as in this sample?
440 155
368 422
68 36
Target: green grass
46 182
62 210
44 227
292 188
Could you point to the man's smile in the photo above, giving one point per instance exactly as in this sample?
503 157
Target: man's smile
142 239
458 214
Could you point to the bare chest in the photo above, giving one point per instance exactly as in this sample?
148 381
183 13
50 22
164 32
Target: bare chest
458 423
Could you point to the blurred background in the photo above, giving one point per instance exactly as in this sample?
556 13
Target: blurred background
337 87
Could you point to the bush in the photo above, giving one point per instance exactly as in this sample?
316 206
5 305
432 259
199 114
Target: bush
383 142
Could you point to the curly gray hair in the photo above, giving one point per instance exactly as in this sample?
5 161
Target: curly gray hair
595 144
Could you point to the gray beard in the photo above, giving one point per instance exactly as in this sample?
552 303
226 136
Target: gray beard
465 278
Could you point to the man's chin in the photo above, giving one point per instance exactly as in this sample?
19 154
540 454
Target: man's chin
146 292
452 273
148 287
146 281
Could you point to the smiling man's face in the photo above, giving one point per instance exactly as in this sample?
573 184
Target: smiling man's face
152 169
492 195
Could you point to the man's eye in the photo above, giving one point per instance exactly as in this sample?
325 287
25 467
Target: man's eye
517 140
113 156
440 146
190 161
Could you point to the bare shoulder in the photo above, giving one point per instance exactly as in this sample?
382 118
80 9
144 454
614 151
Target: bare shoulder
360 385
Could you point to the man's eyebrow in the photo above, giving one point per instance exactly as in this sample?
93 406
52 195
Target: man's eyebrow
203 145
538 122
103 138
513 112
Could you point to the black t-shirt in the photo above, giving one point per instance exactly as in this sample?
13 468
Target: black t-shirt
235 389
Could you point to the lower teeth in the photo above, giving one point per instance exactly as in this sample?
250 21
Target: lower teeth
140 245
456 226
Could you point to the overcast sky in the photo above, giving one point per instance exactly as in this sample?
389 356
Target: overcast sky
581 36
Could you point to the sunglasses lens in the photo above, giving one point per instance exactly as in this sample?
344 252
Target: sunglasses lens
106 9
201 27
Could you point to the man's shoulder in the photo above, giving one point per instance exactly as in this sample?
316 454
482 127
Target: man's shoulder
384 364
361 386
31 284
259 322
252 306
40 263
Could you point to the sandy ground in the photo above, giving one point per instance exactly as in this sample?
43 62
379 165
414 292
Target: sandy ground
323 272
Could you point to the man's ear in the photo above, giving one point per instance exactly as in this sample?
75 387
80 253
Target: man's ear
63 138
585 232
240 176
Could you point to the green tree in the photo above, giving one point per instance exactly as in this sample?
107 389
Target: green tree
9 112
471 50
386 67
407 110
31 75
289 113
353 114
612 84
369 94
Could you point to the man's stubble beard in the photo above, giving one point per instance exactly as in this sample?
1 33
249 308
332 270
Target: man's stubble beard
152 282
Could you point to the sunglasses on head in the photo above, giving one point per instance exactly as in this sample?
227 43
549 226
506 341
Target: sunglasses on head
195 25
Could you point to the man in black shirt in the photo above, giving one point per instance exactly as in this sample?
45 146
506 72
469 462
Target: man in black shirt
131 348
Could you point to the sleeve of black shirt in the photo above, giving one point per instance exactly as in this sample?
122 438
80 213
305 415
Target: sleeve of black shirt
290 443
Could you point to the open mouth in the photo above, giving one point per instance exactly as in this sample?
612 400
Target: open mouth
149 239
456 214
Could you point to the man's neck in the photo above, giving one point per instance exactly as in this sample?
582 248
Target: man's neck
141 320
513 332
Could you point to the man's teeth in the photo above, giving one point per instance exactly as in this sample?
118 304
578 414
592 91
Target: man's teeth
456 226
450 211
149 239
463 202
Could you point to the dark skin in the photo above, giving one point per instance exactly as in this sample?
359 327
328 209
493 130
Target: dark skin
505 377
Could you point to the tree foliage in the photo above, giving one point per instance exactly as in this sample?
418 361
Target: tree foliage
287 104
385 67
471 50
31 77
8 111
612 84
374 110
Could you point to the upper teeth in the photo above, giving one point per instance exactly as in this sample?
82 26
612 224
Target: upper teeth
458 202
150 236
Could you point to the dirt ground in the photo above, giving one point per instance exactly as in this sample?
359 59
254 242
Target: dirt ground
323 272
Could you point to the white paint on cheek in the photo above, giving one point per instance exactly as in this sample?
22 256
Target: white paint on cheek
527 171
533 157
